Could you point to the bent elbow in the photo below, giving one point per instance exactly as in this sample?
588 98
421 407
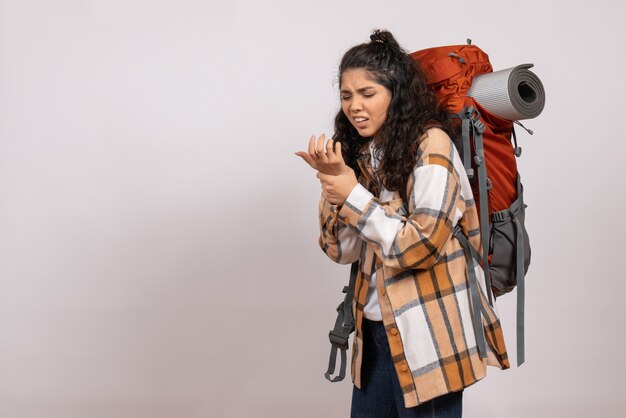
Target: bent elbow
422 256
426 263
336 254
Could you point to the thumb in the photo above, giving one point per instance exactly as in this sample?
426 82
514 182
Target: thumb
322 176
307 158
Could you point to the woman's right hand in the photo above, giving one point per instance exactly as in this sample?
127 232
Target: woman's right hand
325 159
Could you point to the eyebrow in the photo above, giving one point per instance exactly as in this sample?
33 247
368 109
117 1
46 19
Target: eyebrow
361 90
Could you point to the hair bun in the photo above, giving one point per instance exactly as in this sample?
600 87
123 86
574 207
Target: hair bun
382 37
377 37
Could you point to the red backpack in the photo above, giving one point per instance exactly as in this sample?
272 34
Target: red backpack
490 162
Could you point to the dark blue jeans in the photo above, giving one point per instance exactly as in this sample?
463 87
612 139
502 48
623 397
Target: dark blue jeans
381 394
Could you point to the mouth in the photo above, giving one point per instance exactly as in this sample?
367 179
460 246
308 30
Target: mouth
360 122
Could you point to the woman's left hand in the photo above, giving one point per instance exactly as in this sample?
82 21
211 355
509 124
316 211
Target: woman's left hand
336 188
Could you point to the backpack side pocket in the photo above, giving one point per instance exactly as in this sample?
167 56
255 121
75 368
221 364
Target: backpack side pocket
509 245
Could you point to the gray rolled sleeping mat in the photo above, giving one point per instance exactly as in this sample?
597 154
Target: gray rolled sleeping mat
514 94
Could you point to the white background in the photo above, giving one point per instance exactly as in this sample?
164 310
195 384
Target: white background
158 237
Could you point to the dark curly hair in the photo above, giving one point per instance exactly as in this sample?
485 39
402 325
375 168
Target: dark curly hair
413 108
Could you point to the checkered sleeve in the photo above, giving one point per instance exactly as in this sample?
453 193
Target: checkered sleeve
416 241
339 243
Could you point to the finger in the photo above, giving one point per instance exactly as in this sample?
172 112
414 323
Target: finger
312 152
306 157
321 152
329 150
312 145
320 143
338 150
325 179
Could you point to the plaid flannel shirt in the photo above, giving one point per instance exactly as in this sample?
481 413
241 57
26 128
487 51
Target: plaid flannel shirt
421 271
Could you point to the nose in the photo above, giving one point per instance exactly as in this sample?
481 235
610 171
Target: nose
356 105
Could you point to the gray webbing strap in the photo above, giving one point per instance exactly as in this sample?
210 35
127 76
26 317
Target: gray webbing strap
474 289
483 187
519 265
509 215
519 273
467 147
344 325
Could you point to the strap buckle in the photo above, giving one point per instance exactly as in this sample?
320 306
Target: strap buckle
471 113
479 126
338 340
498 216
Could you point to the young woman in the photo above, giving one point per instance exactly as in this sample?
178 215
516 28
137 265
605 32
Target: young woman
395 196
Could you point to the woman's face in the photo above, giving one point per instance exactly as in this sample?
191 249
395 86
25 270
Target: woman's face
364 101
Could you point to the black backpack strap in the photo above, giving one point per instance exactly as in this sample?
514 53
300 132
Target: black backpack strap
344 325
472 257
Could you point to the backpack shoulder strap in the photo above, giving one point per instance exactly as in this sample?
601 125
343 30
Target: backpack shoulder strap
344 325
472 257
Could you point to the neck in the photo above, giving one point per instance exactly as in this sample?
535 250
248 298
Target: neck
378 140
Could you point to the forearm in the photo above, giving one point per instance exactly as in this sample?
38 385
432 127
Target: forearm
339 242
